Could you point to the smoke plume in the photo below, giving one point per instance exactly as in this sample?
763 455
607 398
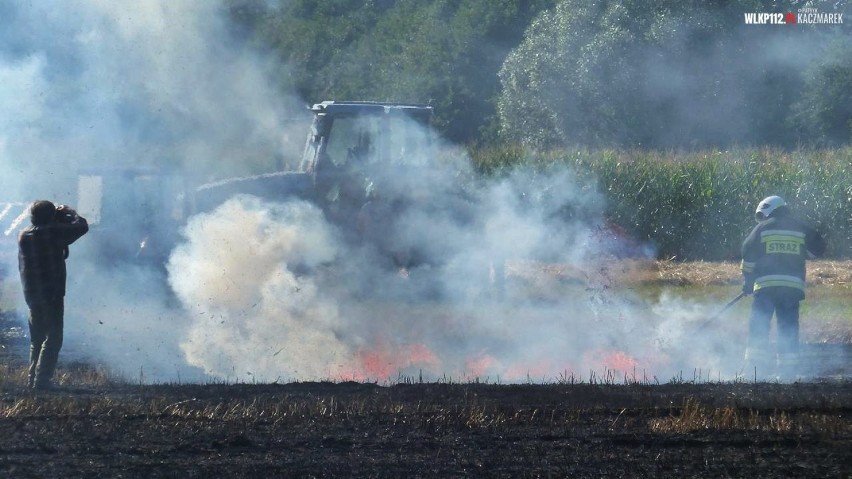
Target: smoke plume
275 291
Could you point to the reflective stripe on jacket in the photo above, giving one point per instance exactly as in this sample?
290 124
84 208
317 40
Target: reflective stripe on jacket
774 253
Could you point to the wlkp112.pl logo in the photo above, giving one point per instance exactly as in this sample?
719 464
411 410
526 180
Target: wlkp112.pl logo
806 15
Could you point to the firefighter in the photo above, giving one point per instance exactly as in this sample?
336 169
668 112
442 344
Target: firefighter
42 251
773 267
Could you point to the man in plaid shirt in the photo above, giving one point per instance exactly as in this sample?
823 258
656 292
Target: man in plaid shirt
42 250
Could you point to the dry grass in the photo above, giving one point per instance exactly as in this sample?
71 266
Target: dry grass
15 373
283 412
694 416
701 273
632 272
98 396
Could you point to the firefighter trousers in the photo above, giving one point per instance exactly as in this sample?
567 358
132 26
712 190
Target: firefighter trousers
783 302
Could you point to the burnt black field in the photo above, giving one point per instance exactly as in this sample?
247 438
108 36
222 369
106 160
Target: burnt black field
92 426
429 430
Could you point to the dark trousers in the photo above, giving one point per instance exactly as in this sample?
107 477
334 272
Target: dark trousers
46 325
784 303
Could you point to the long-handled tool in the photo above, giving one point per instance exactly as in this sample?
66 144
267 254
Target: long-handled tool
721 312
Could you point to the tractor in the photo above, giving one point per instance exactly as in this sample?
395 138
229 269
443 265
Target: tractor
359 165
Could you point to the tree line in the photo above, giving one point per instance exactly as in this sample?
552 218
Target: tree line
654 74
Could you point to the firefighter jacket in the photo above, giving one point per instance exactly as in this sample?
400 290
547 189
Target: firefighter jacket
774 253
42 250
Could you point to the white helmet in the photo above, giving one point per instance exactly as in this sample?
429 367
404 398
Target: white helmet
767 206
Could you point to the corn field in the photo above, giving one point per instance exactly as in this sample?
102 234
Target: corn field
700 205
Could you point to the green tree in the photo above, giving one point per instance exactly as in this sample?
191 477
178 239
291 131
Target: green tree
443 52
823 113
659 73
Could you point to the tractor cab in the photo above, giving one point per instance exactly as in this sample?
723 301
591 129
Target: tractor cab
389 134
356 149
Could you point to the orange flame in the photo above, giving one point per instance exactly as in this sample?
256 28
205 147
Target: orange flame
478 366
383 360
611 360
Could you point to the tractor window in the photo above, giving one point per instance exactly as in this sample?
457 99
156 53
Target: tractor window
352 140
378 139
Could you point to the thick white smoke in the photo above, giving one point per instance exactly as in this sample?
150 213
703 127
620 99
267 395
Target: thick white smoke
250 313
274 291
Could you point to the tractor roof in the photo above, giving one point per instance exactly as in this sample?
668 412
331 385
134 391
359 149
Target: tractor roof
370 107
